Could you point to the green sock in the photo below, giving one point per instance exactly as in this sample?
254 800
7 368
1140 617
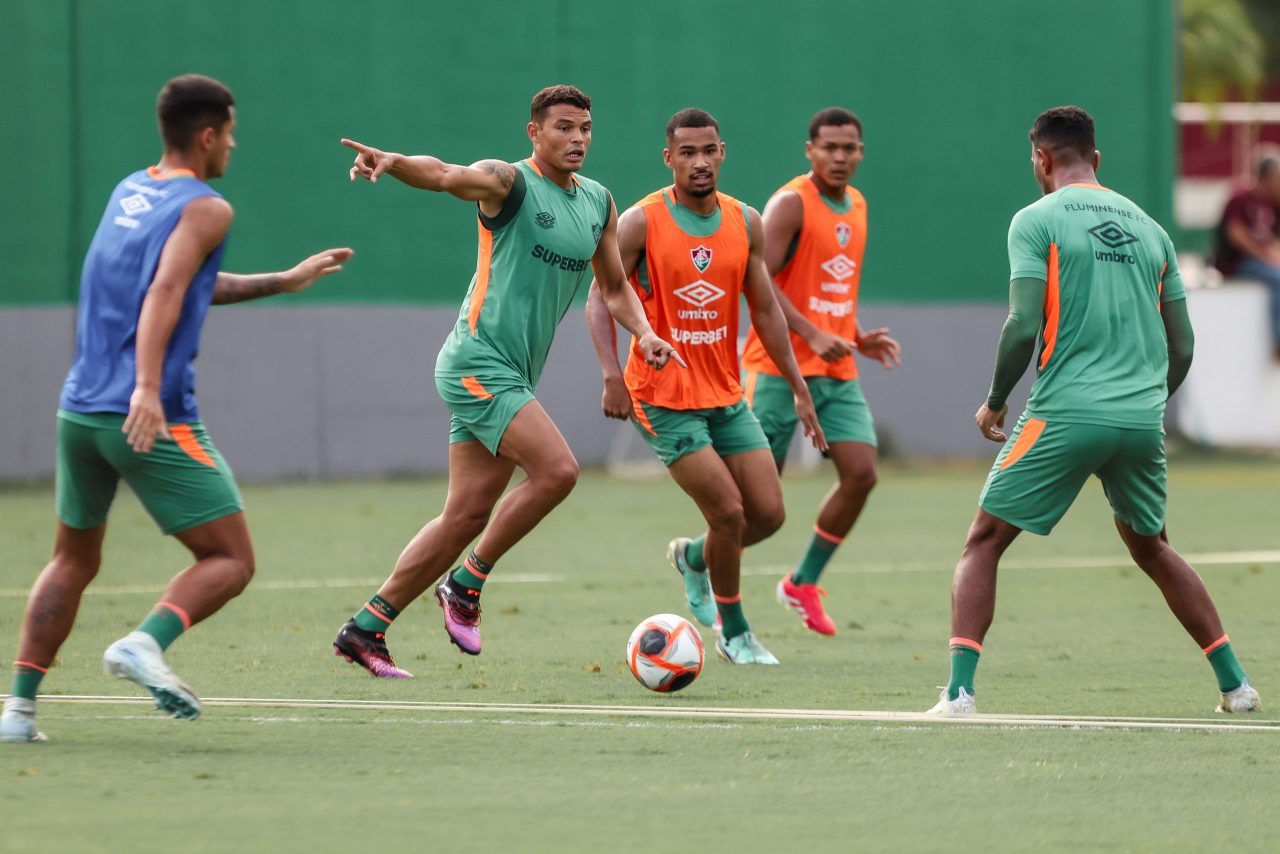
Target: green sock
472 574
1225 666
821 548
732 621
964 664
376 615
693 554
26 680
166 623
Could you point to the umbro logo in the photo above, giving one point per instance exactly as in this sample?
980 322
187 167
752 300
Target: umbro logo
135 204
840 267
699 293
545 219
1112 235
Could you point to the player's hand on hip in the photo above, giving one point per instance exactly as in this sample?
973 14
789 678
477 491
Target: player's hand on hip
658 352
988 420
145 421
370 162
809 421
877 345
617 400
829 347
311 270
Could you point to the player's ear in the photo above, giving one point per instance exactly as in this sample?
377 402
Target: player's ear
808 150
1097 160
532 130
722 149
666 157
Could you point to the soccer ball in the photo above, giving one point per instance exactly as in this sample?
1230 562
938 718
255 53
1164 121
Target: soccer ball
665 653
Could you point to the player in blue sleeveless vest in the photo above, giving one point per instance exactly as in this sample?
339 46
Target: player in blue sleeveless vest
128 407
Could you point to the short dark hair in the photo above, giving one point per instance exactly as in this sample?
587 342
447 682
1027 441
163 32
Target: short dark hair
559 94
189 104
1266 166
832 117
691 117
1064 129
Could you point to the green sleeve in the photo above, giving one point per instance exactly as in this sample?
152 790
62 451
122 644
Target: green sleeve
1029 245
1171 286
1017 339
1182 339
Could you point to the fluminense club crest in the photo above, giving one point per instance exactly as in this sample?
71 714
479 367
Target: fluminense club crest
701 258
843 233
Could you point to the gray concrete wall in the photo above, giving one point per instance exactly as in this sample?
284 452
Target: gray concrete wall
348 390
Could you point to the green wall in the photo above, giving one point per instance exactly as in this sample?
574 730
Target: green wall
946 91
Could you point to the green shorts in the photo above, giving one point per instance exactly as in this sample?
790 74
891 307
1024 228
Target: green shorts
482 406
673 433
842 409
182 482
1042 467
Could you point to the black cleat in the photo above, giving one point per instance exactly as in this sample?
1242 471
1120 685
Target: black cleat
369 650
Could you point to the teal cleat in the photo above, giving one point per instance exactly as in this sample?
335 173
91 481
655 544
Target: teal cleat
744 649
18 722
697 585
137 657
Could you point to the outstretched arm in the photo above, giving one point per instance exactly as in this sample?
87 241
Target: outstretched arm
771 327
201 228
487 182
1182 340
232 287
1017 345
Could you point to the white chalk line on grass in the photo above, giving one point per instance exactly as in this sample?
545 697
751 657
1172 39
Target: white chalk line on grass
1084 722
1205 559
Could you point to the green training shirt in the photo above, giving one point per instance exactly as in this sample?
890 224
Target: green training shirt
1103 357
533 257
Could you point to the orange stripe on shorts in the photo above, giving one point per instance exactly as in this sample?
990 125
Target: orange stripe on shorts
1030 433
187 441
641 418
472 385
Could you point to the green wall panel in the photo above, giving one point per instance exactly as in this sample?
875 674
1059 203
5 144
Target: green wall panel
946 91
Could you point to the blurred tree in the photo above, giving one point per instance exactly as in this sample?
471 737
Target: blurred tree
1222 51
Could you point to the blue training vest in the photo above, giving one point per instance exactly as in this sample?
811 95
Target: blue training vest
118 270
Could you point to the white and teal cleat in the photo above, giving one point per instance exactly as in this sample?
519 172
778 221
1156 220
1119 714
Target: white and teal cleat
18 721
697 585
963 704
744 649
1242 699
137 657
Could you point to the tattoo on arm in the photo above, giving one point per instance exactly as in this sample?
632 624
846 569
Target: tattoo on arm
504 172
231 288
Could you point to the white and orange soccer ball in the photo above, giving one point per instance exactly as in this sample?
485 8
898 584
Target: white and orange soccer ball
665 653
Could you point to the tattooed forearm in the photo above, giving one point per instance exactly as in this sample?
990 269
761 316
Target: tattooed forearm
233 288
504 172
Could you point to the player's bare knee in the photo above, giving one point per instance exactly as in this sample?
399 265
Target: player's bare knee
860 482
465 525
242 570
766 522
727 517
80 569
559 478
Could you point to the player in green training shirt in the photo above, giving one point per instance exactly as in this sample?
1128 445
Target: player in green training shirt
543 229
1095 281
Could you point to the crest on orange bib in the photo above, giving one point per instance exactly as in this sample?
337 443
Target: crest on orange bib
843 233
701 256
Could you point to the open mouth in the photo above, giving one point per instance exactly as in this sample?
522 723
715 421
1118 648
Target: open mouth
575 154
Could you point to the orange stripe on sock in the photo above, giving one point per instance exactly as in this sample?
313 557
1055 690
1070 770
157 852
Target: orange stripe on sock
1030 433
381 616
32 665
728 600
1219 642
181 612
472 385
971 644
830 538
471 567
187 441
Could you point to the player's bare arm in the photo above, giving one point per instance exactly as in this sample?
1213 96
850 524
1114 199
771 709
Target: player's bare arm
876 344
783 218
616 401
233 287
771 327
1017 345
614 289
203 226
487 182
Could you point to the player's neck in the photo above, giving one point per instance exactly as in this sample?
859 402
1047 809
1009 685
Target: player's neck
701 205
561 178
177 161
1074 175
832 192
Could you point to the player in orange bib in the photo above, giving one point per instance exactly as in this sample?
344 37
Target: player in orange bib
691 253
815 235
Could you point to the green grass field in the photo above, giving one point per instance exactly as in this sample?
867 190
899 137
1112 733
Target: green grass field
1076 634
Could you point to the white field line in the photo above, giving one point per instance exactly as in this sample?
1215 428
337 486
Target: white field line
1205 559
604 711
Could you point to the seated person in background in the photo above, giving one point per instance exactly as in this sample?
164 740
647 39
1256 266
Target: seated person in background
1247 246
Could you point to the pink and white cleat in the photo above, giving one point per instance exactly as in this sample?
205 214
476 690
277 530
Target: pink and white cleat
461 618
806 600
369 650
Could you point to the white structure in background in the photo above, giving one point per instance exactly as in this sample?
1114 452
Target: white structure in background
1198 202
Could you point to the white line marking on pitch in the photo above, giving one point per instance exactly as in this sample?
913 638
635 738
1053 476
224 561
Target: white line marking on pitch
1205 559
853 716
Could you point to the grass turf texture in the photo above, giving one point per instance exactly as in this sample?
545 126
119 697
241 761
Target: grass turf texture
1073 641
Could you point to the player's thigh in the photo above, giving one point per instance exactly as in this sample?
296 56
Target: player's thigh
855 463
1135 480
774 405
183 482
1040 470
482 407
225 536
672 433
477 480
843 411
704 477
534 443
758 483
86 481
